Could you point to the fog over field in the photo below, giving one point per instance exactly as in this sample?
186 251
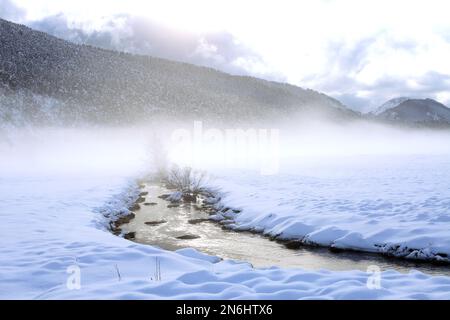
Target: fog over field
105 148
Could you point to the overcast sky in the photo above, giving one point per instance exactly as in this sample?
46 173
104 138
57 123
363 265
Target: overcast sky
361 52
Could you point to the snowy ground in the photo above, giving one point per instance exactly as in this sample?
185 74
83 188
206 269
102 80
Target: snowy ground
398 205
53 225
50 225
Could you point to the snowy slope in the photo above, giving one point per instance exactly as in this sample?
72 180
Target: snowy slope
53 224
95 85
389 105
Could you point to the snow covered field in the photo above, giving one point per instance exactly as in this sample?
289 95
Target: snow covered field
398 205
54 197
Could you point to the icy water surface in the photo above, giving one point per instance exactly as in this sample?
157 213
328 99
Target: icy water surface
158 225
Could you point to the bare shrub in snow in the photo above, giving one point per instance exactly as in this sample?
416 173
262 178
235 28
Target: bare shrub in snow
186 180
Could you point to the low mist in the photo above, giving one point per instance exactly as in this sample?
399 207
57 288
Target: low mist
140 150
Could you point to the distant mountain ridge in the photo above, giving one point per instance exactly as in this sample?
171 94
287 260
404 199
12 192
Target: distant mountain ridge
426 112
389 105
46 79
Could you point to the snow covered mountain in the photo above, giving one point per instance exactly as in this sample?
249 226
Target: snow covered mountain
389 105
45 79
415 111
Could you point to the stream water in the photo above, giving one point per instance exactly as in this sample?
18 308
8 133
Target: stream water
159 224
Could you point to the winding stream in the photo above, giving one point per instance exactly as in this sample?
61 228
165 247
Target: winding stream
159 224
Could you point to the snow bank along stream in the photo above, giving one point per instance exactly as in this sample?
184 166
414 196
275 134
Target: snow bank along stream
186 225
393 205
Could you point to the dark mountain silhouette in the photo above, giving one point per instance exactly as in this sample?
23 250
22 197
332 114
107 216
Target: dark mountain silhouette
44 79
426 112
